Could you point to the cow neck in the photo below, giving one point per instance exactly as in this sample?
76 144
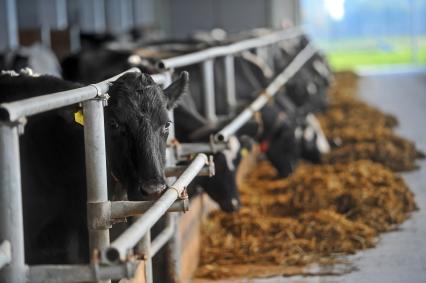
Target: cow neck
264 143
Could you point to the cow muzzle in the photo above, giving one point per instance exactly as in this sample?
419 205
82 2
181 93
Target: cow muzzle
152 190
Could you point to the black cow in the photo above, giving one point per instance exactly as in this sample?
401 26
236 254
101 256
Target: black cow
250 80
222 187
192 127
52 158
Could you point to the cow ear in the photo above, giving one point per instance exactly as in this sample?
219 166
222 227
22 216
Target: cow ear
176 89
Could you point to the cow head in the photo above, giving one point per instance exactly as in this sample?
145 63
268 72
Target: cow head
137 125
279 139
222 187
314 141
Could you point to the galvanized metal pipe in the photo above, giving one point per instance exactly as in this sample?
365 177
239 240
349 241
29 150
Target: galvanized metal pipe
231 96
163 237
80 273
209 93
179 169
144 248
11 216
5 253
173 250
122 209
96 171
12 111
119 248
269 92
210 53
185 149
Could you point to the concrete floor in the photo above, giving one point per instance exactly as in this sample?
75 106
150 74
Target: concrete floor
400 256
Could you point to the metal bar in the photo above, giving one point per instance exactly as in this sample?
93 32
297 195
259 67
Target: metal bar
145 249
185 149
14 110
210 53
80 273
5 253
269 92
118 249
11 216
173 250
179 169
26 107
208 87
9 25
122 209
231 96
163 237
96 171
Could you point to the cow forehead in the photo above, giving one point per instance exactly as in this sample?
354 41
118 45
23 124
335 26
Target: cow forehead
139 101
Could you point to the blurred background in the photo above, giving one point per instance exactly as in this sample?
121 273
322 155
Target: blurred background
358 33
354 33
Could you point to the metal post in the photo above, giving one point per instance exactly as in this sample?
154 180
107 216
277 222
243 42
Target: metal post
144 247
162 238
173 249
231 97
9 25
128 239
208 85
94 140
11 216
279 81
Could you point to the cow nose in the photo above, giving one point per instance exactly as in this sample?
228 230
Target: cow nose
230 206
235 204
152 190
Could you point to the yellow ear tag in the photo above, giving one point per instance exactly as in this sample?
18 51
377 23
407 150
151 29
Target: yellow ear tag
78 117
244 152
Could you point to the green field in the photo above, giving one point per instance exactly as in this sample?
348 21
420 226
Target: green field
353 53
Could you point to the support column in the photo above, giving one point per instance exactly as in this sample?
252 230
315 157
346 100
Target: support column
11 215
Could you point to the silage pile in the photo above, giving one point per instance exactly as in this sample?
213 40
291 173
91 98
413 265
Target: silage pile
360 131
321 211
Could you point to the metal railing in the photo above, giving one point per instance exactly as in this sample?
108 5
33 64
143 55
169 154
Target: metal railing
101 212
115 259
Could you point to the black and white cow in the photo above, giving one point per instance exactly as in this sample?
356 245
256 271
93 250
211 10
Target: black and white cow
52 158
190 126
39 58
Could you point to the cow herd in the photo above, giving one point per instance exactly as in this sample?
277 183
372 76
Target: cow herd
137 126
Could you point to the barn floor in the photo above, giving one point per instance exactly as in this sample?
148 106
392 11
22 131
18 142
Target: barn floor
400 256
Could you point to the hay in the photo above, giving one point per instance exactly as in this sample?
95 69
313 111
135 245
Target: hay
321 211
360 131
287 224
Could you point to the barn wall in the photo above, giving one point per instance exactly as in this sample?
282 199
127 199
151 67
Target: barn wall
182 17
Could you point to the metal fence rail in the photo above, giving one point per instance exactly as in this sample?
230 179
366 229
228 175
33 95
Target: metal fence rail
268 93
116 256
221 51
100 210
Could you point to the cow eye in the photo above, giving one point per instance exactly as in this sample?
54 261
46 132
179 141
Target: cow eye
167 125
113 124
